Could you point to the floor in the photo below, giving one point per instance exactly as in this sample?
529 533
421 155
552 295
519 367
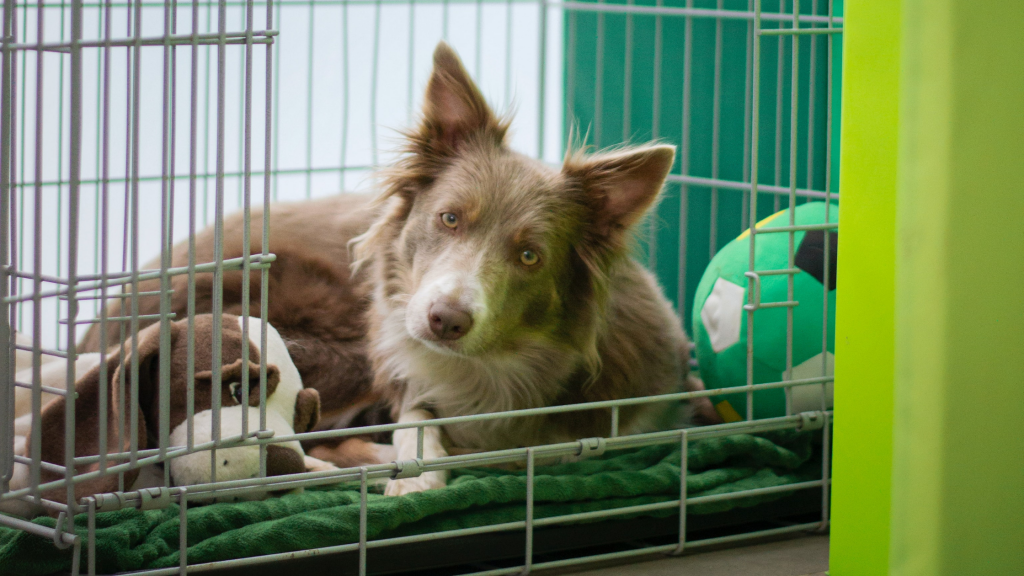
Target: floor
801 556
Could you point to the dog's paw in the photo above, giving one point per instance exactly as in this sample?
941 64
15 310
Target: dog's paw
317 465
421 483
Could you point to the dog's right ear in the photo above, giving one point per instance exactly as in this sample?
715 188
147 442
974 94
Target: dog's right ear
454 109
620 186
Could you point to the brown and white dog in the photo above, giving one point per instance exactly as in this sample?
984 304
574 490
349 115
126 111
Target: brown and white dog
290 408
483 281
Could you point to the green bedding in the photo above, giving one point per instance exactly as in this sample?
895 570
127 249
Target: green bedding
132 539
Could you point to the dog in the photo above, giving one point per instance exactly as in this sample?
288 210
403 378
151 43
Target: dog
479 280
290 408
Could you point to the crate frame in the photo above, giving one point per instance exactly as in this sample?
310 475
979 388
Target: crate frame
74 287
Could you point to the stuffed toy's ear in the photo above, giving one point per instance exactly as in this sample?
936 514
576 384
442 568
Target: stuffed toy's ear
95 396
620 185
232 375
307 410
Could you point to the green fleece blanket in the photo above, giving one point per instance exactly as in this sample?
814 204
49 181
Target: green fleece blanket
132 539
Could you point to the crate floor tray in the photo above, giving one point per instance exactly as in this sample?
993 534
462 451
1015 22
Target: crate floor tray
132 540
467 554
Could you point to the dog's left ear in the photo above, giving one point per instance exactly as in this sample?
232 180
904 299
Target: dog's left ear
454 108
621 185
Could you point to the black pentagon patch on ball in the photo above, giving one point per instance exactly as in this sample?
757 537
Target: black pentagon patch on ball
810 256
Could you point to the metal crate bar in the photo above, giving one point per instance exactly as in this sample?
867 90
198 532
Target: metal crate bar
257 261
264 36
746 186
38 529
445 463
688 11
47 389
798 32
490 530
269 438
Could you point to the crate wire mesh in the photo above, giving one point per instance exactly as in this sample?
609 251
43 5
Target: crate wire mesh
117 116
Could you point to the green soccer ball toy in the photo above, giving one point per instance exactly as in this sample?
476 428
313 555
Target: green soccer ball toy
720 320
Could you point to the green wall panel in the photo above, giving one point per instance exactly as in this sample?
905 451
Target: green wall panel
618 91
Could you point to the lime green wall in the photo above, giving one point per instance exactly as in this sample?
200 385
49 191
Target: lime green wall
958 476
865 286
930 319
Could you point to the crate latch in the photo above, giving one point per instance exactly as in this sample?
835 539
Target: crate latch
154 498
591 447
109 502
812 420
408 469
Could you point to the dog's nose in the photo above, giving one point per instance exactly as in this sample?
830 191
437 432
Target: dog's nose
448 322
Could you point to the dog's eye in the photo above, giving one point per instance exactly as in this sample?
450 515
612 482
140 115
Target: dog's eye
450 220
236 391
529 257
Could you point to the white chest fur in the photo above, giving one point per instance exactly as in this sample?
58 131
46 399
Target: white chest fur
450 384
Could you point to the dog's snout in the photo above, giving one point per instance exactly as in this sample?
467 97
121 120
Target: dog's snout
449 322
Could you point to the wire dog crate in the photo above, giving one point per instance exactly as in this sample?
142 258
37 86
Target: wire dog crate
128 125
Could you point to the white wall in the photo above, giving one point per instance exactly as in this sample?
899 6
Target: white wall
310 71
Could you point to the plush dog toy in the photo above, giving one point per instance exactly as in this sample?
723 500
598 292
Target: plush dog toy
290 408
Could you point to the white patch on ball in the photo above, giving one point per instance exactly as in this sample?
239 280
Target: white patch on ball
722 314
808 398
